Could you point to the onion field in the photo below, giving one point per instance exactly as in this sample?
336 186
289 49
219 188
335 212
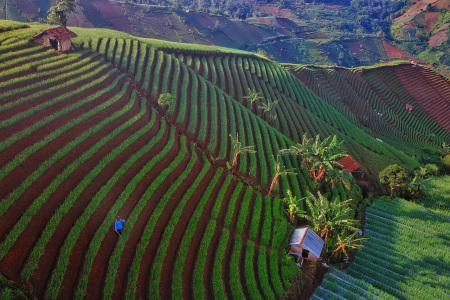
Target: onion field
405 257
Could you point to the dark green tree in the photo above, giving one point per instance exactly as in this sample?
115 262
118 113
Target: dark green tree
59 14
395 176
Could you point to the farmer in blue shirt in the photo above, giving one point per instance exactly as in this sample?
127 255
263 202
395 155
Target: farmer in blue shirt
118 225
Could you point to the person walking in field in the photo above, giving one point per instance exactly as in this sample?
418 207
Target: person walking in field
118 226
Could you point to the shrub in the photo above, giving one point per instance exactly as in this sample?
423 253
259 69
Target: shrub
446 163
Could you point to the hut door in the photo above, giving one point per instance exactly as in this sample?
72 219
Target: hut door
54 43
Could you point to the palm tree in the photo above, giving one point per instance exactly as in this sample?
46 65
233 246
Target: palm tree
253 96
237 149
293 206
269 108
279 172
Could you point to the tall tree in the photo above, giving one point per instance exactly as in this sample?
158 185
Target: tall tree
60 13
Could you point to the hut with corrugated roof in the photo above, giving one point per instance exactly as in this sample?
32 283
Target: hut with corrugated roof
306 244
58 38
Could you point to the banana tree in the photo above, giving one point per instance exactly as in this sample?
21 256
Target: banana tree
279 171
269 107
330 219
253 96
238 149
293 206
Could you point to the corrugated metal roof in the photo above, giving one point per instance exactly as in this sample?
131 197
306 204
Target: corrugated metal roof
309 239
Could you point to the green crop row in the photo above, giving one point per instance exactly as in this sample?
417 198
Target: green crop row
214 119
155 276
62 262
263 274
54 134
166 74
148 69
140 66
39 247
220 196
267 224
159 61
193 115
204 98
183 100
4 205
153 220
256 217
274 273
114 261
199 270
96 242
232 204
250 278
41 86
36 205
28 113
156 269
235 277
217 277
280 224
58 71
243 212
177 281
27 62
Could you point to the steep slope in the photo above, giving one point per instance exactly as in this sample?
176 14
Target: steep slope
87 140
378 97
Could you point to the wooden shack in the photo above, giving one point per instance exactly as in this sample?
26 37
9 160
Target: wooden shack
351 166
58 38
306 244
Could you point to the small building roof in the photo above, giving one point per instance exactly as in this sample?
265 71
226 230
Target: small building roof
308 239
61 33
349 164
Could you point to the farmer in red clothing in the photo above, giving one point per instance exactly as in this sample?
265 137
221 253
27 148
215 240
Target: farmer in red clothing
118 225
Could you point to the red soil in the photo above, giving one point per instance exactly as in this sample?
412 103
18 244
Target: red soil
430 20
98 216
396 53
439 38
354 48
19 252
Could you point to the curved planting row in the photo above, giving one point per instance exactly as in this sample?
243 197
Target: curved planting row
298 110
202 111
81 134
378 98
396 261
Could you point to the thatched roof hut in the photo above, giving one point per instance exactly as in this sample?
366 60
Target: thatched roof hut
58 38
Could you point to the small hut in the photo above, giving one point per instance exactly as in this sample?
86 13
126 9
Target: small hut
351 166
59 38
306 244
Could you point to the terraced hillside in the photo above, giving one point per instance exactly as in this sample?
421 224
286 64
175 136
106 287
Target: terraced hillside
377 98
405 256
83 140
